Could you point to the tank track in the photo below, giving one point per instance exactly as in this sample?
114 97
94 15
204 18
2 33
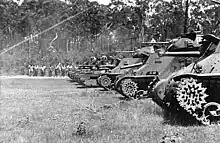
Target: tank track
191 95
130 89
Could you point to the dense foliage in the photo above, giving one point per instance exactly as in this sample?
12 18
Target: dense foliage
97 29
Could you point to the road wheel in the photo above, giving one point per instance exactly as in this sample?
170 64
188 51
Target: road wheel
129 88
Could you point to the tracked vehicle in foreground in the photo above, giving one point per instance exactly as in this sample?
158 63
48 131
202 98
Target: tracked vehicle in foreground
193 92
159 67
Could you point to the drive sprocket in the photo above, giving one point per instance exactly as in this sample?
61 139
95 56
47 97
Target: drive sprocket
191 97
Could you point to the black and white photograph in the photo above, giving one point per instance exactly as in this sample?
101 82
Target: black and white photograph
109 71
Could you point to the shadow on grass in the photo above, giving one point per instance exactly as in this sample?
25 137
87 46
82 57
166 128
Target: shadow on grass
103 90
82 85
87 86
181 118
124 98
71 80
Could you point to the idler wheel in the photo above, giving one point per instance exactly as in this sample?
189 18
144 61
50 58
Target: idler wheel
129 88
210 114
105 81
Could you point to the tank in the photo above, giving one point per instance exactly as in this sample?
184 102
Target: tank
86 66
92 68
160 66
192 93
126 66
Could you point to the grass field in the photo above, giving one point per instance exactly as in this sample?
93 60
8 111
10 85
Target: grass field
44 110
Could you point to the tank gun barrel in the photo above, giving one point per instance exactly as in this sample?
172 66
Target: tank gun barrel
86 66
153 43
156 43
132 66
183 54
125 51
102 66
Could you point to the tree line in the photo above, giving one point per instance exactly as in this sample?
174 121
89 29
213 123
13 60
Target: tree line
98 30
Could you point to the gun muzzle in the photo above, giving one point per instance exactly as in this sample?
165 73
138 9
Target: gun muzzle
132 66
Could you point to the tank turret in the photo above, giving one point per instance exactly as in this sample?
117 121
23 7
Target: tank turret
139 57
92 68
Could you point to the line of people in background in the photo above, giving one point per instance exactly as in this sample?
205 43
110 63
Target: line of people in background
51 71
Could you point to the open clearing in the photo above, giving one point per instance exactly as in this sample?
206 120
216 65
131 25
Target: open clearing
57 110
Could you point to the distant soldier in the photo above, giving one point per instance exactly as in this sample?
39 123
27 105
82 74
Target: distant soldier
38 70
69 68
104 60
58 69
35 70
53 69
49 71
43 70
93 60
101 61
30 70
63 69
152 40
116 61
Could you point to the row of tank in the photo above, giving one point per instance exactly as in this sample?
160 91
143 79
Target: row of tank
183 78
